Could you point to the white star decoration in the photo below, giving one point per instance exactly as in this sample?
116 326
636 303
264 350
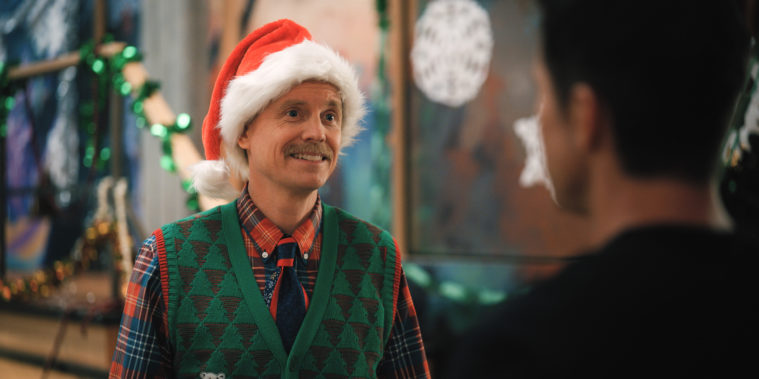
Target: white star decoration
535 170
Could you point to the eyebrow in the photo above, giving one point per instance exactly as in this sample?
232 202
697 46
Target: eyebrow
335 104
291 103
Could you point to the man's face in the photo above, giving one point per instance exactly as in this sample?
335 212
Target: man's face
293 144
563 159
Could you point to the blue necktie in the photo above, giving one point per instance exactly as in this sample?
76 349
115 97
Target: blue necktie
289 300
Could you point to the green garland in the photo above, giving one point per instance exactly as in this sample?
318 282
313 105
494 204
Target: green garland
89 110
8 89
110 71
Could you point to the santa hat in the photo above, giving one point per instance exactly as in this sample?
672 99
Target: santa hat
264 66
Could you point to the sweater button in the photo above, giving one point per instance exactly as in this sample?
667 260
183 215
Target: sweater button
265 255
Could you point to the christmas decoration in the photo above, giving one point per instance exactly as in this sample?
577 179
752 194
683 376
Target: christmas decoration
111 71
739 185
101 235
106 230
7 101
535 170
453 45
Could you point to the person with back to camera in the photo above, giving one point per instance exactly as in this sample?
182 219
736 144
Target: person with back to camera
636 96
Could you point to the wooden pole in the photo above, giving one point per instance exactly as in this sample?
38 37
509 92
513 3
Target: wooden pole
115 119
57 64
400 37
98 21
230 35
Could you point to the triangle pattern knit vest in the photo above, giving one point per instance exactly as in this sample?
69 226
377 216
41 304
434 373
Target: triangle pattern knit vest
219 322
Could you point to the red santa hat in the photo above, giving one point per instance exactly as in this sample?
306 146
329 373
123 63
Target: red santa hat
264 66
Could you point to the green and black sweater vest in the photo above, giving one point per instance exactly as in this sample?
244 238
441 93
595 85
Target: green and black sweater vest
219 322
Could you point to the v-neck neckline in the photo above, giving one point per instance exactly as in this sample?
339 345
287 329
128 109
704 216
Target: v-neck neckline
251 293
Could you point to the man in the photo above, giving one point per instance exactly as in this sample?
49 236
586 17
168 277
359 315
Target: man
635 99
326 295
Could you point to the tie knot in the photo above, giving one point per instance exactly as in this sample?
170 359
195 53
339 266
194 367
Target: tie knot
286 249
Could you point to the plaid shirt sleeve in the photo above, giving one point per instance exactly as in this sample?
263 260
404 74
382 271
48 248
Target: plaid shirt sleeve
142 347
404 354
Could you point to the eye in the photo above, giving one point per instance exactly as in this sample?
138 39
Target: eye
293 113
331 117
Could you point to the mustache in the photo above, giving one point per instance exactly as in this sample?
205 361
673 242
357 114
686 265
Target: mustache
310 148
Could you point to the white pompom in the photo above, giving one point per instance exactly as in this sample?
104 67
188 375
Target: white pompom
211 178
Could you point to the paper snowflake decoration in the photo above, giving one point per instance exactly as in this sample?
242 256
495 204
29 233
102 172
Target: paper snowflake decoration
453 45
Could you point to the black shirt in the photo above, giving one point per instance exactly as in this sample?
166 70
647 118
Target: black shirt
665 301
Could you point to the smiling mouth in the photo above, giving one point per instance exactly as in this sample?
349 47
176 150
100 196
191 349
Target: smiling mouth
309 157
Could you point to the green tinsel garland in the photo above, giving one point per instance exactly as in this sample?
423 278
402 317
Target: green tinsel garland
110 71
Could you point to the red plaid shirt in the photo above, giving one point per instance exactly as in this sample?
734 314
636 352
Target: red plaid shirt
143 349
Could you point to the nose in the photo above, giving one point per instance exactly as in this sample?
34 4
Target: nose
314 130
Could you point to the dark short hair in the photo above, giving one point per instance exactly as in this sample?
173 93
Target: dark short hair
666 72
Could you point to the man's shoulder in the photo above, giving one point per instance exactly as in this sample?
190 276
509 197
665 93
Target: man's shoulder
682 256
745 246
661 284
657 238
669 263
350 224
207 215
658 284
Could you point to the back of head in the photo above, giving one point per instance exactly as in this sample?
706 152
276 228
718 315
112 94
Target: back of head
666 73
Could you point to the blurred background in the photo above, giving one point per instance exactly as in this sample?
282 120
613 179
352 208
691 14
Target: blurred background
101 103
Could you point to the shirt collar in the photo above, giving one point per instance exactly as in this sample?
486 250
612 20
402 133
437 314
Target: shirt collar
266 234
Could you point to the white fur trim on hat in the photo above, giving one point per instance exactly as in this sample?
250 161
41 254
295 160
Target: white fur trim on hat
248 94
211 178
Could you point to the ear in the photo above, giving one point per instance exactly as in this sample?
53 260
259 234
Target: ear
243 141
586 117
